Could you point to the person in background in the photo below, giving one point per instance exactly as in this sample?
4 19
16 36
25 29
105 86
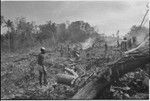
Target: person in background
134 41
106 46
118 45
124 44
129 44
41 67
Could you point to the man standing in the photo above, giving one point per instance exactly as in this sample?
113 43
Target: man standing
41 67
106 48
129 44
124 44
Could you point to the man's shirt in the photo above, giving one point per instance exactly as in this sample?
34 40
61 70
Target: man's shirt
41 59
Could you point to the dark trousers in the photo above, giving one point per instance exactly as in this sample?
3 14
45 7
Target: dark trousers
42 74
124 46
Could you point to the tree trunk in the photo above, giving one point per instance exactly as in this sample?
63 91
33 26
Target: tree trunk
118 68
9 40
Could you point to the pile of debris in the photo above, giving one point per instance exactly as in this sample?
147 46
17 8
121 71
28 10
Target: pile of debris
112 71
96 75
133 85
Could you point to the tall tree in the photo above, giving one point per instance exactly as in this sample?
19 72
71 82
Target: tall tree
47 31
25 30
80 31
9 25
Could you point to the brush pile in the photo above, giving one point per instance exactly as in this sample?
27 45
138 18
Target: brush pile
99 75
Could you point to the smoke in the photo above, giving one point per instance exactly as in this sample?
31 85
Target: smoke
88 43
141 37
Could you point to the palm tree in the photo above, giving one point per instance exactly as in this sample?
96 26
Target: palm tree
53 30
9 25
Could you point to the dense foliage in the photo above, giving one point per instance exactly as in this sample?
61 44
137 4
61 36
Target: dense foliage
22 34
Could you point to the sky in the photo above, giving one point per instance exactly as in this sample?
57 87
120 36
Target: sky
108 16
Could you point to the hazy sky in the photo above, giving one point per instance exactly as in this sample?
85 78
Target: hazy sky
108 16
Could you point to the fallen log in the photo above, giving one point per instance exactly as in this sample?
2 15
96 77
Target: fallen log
68 78
105 78
65 79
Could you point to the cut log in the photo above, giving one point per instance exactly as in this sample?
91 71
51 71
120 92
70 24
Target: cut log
72 72
90 90
65 79
118 68
68 78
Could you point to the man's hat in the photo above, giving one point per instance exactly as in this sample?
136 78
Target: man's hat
42 49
